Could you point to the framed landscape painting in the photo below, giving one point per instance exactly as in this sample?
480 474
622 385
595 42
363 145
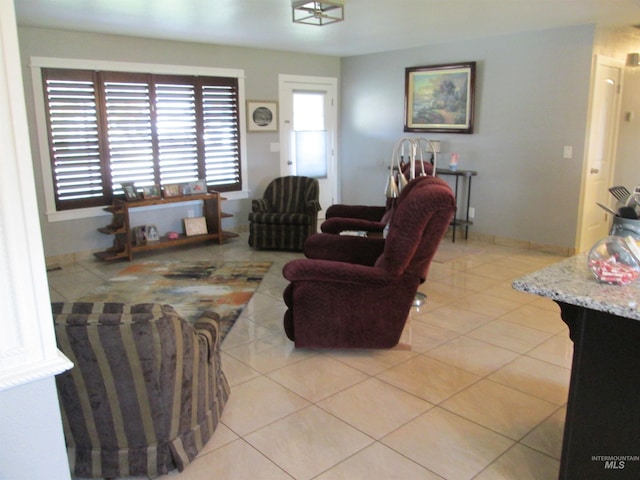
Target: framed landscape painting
440 98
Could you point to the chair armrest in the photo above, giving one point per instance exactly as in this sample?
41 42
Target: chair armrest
305 269
208 327
260 205
344 248
312 207
336 225
363 212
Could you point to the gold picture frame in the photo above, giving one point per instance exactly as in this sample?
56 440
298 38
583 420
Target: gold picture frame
440 98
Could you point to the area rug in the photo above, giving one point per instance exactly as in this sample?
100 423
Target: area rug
190 287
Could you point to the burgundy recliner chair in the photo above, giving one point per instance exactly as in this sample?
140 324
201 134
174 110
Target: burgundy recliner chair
366 218
356 292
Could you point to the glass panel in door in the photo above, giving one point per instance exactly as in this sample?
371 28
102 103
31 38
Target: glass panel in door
309 136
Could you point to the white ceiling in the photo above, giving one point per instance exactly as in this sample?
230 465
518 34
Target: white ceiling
369 26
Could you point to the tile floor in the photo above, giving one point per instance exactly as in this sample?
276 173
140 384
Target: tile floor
481 394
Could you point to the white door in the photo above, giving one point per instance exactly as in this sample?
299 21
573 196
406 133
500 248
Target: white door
603 132
308 132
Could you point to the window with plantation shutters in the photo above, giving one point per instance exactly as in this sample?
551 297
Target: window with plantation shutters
109 128
74 138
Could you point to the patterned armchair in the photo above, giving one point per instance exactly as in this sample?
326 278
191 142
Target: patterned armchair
146 391
286 215
356 292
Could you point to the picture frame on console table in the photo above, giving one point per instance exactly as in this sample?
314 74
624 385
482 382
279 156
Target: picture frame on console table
172 190
151 233
139 235
199 186
440 98
151 191
195 226
130 192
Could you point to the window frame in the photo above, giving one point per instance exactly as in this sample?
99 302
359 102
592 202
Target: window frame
38 63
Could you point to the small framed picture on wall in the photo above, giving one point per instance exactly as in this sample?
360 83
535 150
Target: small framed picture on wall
262 116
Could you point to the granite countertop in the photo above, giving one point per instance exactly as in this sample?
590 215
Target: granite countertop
570 281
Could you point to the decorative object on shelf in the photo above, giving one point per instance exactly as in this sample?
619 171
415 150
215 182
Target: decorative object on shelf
139 235
172 235
172 190
453 161
195 226
152 234
130 192
150 191
197 187
262 116
319 13
397 181
440 98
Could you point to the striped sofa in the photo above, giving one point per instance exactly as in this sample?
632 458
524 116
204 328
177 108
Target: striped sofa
146 391
286 214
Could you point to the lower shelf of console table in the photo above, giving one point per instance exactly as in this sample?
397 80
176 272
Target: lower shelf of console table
124 246
465 221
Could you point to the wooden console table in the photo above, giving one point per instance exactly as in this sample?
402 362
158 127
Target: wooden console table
464 221
120 227
601 428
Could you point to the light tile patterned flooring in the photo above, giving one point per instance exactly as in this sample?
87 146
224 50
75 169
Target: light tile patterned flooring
481 394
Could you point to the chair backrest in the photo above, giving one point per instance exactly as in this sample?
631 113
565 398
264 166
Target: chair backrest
419 164
132 404
420 219
291 194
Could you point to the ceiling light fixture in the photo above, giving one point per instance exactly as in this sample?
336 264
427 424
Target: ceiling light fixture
318 13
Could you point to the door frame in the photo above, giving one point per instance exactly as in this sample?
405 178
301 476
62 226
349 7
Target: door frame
598 62
313 83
